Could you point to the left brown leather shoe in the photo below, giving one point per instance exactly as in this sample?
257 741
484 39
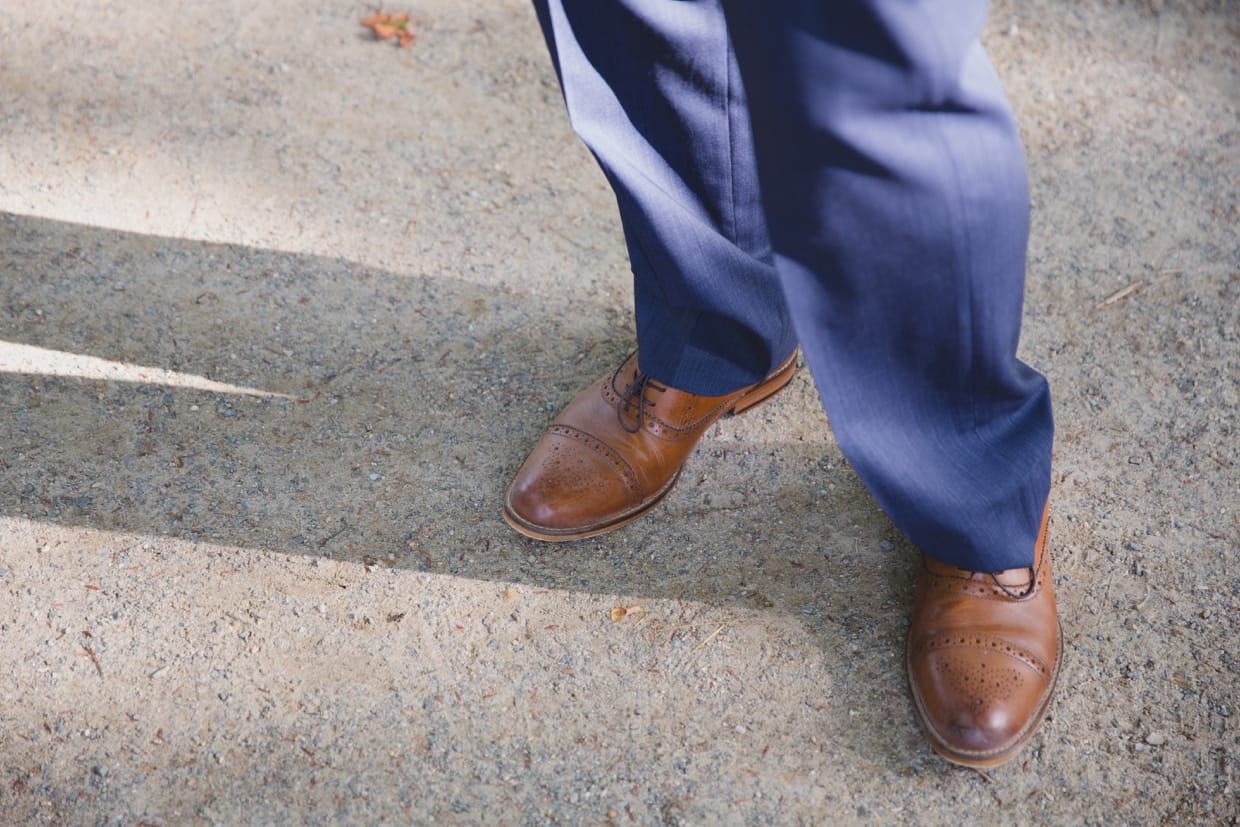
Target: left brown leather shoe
616 451
983 656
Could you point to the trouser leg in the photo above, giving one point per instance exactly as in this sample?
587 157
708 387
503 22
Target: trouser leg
893 180
652 88
894 186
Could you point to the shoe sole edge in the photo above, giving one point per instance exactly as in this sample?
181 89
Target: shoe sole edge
551 535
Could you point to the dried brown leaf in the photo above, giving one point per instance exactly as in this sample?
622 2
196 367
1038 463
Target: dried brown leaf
621 612
386 26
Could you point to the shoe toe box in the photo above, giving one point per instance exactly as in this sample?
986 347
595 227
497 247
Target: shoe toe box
565 486
977 702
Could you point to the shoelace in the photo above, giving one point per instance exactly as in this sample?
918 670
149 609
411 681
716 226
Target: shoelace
636 390
1033 582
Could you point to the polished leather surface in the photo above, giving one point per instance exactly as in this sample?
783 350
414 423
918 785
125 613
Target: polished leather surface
615 452
983 656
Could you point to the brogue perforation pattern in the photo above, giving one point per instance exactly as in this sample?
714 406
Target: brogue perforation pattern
984 642
983 687
622 468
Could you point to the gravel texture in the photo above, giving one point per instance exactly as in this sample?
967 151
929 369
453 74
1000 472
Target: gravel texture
281 310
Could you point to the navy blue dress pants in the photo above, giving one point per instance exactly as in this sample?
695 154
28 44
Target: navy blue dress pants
846 175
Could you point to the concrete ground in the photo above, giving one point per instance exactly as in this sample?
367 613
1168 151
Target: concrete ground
281 310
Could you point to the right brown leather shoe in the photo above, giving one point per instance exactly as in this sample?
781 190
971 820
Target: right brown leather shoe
984 651
616 450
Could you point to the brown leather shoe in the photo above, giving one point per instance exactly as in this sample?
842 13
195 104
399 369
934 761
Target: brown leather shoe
616 451
983 655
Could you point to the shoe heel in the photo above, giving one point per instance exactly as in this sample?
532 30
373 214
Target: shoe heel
768 387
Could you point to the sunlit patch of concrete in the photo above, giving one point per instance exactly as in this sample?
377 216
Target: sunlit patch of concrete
18 358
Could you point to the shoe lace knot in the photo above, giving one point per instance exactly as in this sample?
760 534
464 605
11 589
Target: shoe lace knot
635 396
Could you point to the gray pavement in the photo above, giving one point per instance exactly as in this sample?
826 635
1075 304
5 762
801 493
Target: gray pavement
282 309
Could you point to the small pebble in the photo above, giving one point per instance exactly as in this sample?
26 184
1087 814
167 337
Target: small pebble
1155 739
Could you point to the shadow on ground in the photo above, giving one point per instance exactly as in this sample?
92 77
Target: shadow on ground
412 399
411 403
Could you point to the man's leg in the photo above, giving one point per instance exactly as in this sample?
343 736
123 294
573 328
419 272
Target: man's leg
652 88
894 186
895 192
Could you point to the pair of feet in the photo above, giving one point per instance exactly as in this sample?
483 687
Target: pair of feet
983 648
